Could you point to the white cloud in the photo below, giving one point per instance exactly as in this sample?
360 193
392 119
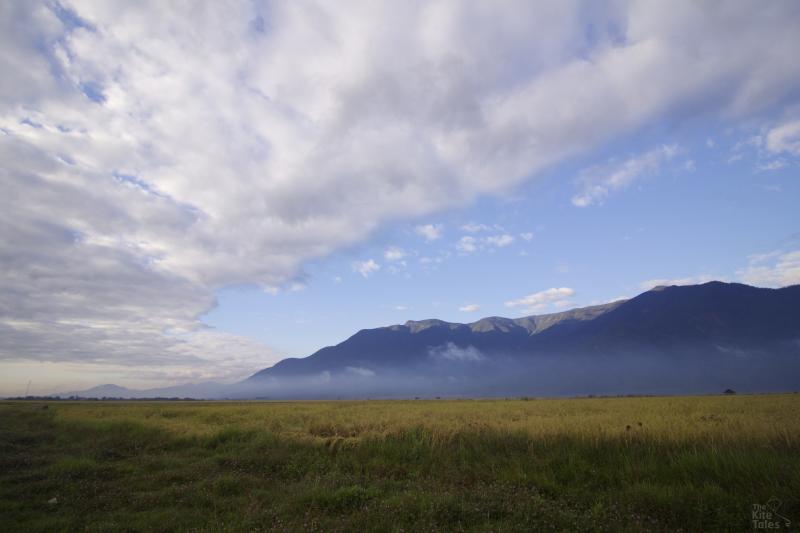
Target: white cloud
366 268
360 371
528 236
777 269
469 244
598 182
469 308
401 308
743 146
164 152
432 261
466 244
755 259
393 253
688 280
499 240
430 232
452 352
773 269
784 138
557 296
775 164
472 227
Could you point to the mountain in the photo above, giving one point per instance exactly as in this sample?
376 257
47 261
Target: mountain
676 339
199 390
669 340
411 343
108 390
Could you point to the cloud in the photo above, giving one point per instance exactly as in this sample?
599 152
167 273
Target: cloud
164 152
430 232
598 182
360 371
688 280
469 244
784 138
452 352
775 164
393 253
528 236
68 298
472 227
366 268
773 269
401 308
499 241
466 244
469 308
776 269
538 301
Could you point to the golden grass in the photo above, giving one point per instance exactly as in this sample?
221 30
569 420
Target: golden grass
708 418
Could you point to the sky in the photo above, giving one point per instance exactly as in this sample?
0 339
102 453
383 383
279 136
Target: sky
193 191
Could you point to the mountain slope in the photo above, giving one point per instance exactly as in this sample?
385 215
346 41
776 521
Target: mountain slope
712 331
411 343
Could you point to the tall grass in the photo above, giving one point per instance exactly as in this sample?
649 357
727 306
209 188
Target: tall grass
691 463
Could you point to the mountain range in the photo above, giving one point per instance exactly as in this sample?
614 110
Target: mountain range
669 340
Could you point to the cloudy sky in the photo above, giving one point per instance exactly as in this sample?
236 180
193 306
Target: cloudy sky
194 190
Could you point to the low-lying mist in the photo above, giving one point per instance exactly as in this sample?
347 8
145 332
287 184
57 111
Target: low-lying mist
468 373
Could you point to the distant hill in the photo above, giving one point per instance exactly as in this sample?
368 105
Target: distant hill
200 390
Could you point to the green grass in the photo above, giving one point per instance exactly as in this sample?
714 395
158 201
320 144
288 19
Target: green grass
608 464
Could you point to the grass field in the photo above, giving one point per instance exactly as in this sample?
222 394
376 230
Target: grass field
616 464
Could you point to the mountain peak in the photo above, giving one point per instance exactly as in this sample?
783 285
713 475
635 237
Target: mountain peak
493 323
415 326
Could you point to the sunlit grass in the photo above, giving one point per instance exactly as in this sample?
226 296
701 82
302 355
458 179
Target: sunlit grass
713 417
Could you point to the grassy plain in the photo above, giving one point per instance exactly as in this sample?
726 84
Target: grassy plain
614 464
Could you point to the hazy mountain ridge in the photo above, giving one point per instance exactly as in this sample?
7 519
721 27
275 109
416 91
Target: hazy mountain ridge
700 316
210 389
693 338
411 342
676 339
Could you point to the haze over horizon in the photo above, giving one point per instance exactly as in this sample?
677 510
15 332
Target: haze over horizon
195 193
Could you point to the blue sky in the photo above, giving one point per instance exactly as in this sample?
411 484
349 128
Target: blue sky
192 194
699 216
